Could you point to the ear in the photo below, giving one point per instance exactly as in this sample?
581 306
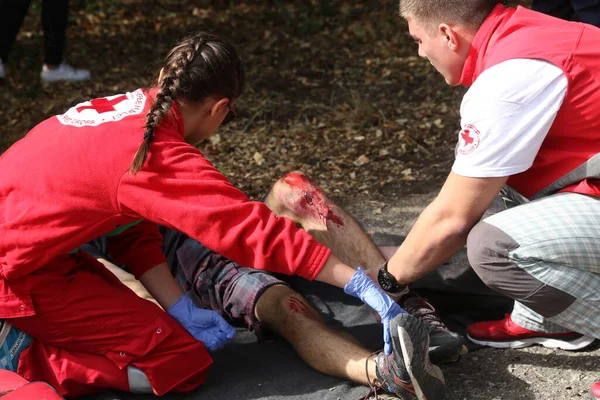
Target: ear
449 36
161 74
219 107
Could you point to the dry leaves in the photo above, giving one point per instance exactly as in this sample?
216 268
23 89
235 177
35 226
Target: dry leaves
335 89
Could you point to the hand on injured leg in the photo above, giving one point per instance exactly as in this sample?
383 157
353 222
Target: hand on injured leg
205 325
364 288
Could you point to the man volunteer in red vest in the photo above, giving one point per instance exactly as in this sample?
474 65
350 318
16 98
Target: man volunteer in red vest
523 190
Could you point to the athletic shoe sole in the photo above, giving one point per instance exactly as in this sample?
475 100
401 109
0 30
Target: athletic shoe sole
447 353
551 343
413 337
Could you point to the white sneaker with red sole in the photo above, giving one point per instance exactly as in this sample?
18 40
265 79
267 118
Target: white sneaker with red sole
506 334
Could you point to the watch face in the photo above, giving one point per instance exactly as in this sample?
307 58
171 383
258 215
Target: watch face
386 281
389 283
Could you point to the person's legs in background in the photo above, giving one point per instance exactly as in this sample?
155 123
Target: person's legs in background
55 16
12 14
54 24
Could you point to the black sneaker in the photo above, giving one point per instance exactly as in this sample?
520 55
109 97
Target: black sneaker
407 372
444 345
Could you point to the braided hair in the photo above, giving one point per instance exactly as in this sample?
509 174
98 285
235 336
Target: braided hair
200 66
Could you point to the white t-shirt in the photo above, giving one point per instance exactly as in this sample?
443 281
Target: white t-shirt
505 117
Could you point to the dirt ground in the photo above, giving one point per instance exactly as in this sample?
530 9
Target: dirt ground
335 89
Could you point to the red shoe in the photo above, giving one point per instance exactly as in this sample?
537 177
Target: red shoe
506 334
595 389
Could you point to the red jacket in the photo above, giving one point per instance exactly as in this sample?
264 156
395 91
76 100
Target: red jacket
574 137
68 182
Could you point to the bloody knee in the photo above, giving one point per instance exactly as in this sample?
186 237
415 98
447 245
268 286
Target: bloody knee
297 197
286 192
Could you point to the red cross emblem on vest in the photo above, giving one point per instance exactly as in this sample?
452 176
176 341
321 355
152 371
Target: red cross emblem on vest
103 105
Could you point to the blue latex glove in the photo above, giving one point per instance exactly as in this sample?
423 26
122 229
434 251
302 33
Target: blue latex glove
364 288
205 325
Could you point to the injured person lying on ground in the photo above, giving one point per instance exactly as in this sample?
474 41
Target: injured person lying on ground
265 303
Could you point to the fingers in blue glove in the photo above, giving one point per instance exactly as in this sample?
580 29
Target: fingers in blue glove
227 330
206 326
364 288
217 334
213 339
387 339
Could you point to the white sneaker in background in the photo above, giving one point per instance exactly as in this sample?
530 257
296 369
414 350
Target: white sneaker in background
2 73
64 72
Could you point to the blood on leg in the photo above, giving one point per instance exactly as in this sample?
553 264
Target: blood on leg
306 200
298 306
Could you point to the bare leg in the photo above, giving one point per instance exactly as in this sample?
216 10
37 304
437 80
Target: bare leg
294 196
128 280
286 312
324 349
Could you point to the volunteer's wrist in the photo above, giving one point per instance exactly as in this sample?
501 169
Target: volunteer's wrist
389 284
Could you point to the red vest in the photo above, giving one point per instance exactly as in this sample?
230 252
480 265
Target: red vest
574 138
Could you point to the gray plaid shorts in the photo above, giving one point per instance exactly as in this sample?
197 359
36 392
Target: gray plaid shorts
558 241
215 282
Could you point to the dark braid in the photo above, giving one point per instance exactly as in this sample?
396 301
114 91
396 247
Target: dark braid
200 66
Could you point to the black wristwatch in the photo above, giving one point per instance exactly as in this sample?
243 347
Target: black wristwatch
389 283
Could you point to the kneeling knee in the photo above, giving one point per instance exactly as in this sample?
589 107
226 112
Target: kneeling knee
488 249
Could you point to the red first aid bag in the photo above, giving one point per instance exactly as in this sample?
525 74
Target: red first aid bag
13 387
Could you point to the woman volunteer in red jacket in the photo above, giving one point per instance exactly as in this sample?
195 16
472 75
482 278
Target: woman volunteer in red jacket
71 179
